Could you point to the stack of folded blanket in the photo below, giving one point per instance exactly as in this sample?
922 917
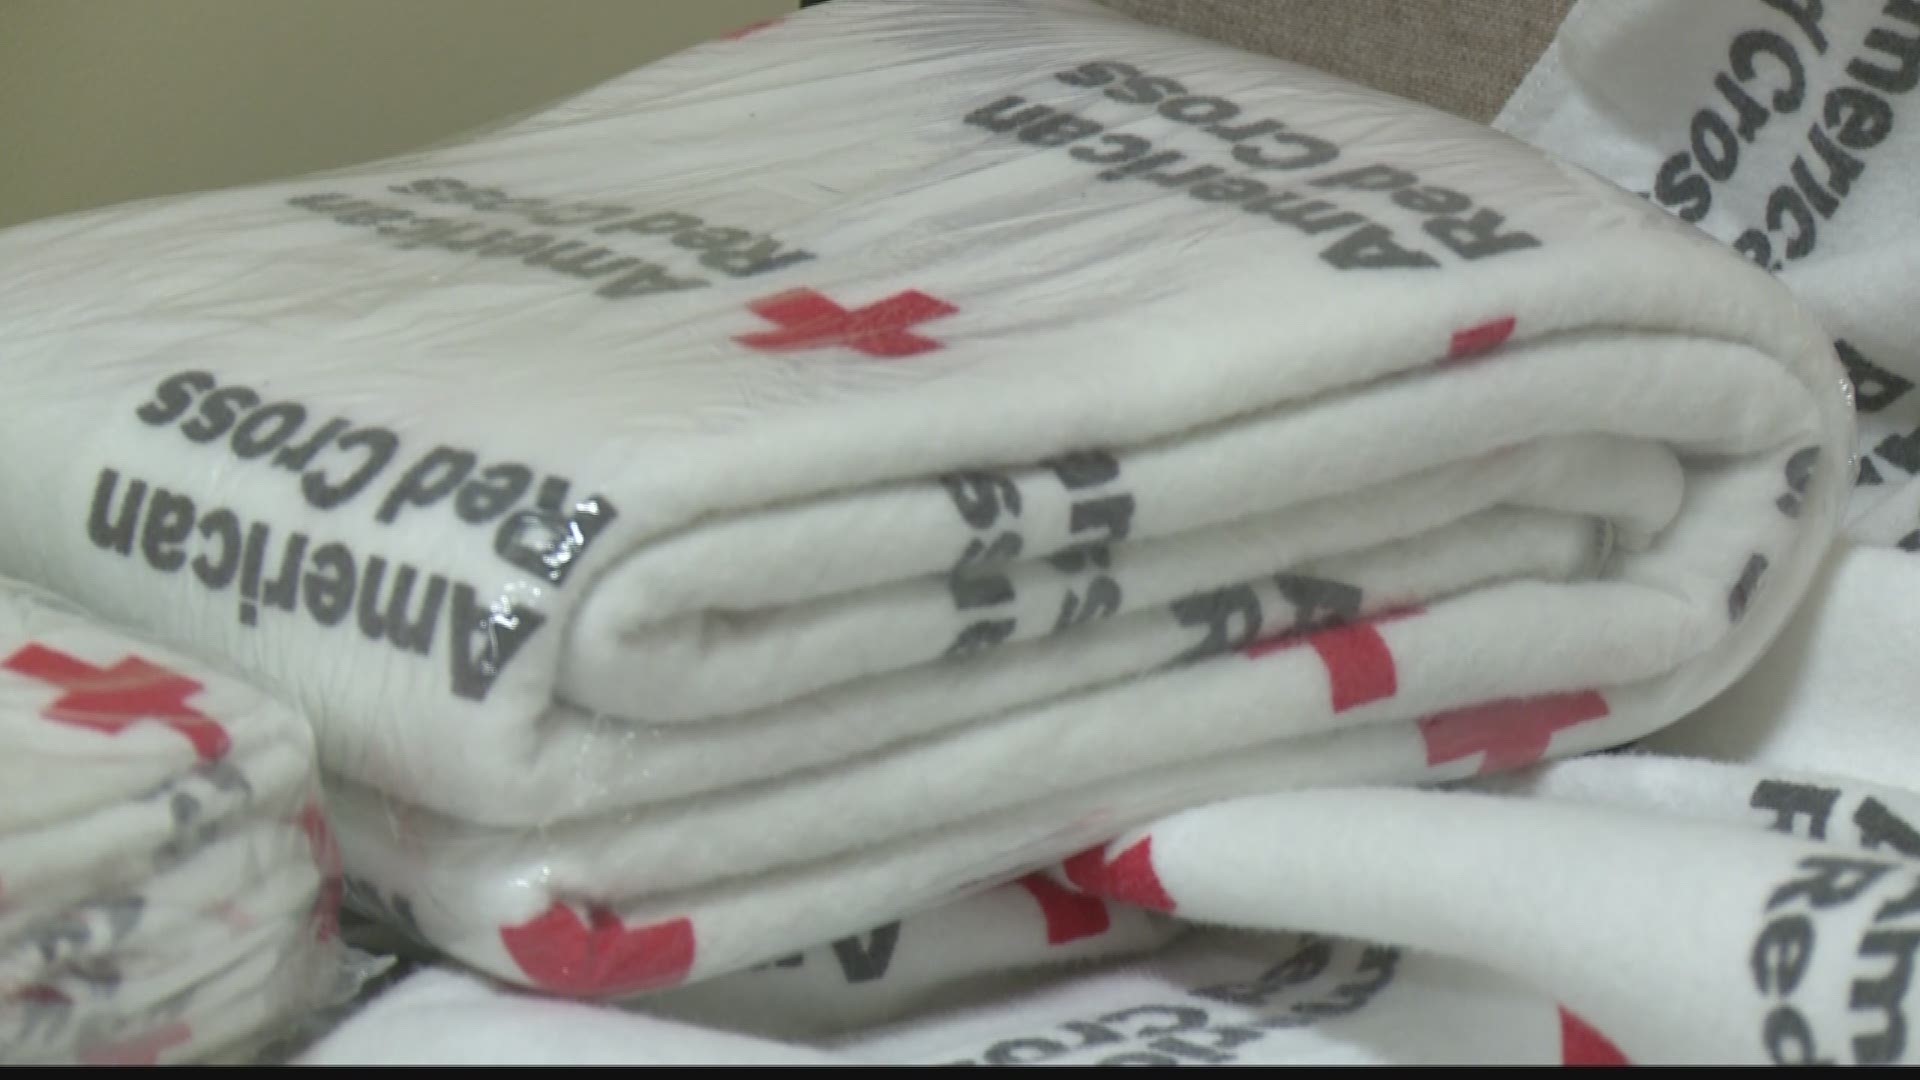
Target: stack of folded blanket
168 886
863 460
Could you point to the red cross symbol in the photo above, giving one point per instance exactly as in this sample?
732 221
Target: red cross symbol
1511 733
325 851
41 995
1479 340
110 700
808 320
1130 878
751 28
1359 665
1582 1044
1069 915
600 957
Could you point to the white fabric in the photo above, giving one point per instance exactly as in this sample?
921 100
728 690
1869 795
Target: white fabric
447 1018
879 510
167 885
1783 129
1211 999
1653 893
1743 887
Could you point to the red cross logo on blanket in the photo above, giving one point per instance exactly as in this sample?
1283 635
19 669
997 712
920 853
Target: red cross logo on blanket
751 28
1359 665
808 320
1510 733
1476 341
326 858
1129 878
602 956
1582 1044
112 699
1069 916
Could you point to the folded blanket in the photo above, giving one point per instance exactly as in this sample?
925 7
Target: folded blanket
1811 181
167 883
1213 998
1738 888
862 460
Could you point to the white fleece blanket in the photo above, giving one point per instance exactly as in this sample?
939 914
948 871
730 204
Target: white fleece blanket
1739 888
168 886
1785 131
877 455
1669 908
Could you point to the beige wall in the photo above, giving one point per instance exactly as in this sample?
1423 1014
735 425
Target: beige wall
107 100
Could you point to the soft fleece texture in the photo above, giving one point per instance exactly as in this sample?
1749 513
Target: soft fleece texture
1815 186
168 885
1635 906
873 457
1738 888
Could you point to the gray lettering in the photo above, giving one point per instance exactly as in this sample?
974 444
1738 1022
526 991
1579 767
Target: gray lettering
1478 236
173 397
169 523
548 540
380 445
218 574
115 535
1903 51
1781 954
329 584
281 419
1789 801
431 479
1885 996
406 634
1374 248
647 279
485 640
1830 881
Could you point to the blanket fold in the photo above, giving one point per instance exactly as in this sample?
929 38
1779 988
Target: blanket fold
881 453
168 883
